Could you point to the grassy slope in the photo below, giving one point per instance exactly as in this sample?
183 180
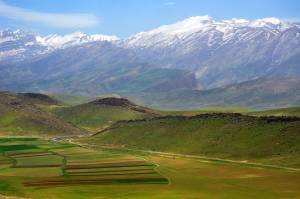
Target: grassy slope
209 110
20 116
218 135
95 116
292 111
72 100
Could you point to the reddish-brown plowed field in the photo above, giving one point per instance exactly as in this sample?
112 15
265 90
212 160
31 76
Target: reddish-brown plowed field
106 164
98 180
36 166
112 171
74 153
113 160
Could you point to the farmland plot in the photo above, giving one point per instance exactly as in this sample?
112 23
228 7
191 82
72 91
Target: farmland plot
40 164
5 161
85 173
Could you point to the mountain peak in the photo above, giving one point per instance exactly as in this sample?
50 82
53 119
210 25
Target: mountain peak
272 20
265 21
189 25
271 23
198 18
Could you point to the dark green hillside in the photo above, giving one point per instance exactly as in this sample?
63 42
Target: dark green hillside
20 114
223 135
38 98
101 113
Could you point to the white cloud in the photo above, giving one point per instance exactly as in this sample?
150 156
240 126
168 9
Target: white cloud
58 20
170 3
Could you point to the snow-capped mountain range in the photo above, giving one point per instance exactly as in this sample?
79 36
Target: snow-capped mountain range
76 38
221 52
22 44
168 34
55 41
203 53
214 32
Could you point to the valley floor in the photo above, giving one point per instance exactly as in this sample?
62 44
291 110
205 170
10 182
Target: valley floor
175 177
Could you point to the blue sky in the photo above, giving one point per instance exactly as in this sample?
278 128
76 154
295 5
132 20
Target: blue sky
126 17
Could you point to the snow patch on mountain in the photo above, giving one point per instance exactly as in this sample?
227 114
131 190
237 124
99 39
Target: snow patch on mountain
202 26
75 38
19 45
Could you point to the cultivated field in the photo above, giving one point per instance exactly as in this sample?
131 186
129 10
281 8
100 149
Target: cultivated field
34 168
28 165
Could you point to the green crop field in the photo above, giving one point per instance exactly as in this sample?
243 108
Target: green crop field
36 165
38 161
120 174
113 148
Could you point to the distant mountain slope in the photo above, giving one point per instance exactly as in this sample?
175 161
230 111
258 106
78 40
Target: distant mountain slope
20 115
272 140
20 45
98 68
197 53
101 113
260 93
221 52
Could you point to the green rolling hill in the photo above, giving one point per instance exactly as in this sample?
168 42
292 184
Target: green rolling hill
38 99
101 113
223 135
262 136
24 114
290 111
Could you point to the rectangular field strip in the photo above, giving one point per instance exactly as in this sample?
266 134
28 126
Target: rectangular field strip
75 165
16 147
89 165
141 179
39 161
112 172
